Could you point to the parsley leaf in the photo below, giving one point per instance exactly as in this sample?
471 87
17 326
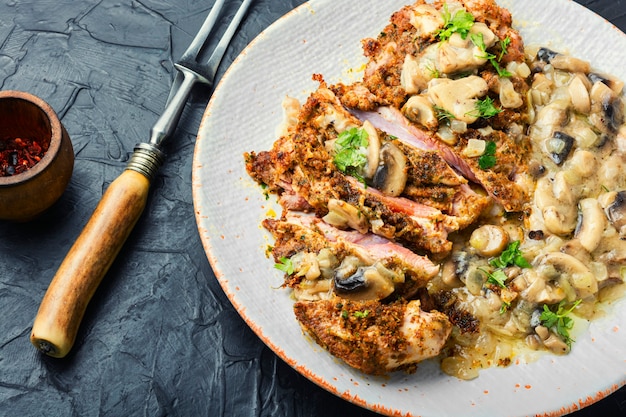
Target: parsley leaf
351 150
488 158
559 320
504 307
504 46
477 39
285 265
486 108
460 23
512 255
497 277
443 115
361 314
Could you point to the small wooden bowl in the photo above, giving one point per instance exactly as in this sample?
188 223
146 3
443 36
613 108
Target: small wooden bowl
28 194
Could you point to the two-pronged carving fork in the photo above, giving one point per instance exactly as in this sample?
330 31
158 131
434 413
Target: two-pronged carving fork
63 306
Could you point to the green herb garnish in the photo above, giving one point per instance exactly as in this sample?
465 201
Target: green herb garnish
486 109
559 320
351 150
285 265
443 115
497 277
504 46
505 307
477 39
511 256
461 23
488 158
361 314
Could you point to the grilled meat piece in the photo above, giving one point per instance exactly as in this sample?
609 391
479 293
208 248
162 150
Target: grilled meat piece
404 271
373 337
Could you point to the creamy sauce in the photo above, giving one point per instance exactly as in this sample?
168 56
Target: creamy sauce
571 236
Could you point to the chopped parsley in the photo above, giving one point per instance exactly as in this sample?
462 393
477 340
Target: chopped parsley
460 23
511 256
486 109
361 314
477 39
497 277
559 321
285 265
358 314
443 115
504 46
488 158
351 151
505 307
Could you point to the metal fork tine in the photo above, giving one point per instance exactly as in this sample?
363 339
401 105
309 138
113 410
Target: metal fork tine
220 49
190 71
189 58
193 50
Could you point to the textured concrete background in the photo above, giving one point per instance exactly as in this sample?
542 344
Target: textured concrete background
160 337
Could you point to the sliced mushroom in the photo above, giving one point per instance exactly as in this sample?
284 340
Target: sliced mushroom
509 98
459 97
579 95
449 276
557 203
545 55
579 276
549 119
592 224
607 108
559 61
489 240
613 83
614 114
366 283
559 147
341 214
419 109
538 288
570 63
410 77
373 150
556 345
615 207
417 71
391 176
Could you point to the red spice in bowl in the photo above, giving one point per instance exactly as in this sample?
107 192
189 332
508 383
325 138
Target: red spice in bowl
36 156
19 154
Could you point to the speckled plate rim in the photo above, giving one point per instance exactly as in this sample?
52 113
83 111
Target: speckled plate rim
323 36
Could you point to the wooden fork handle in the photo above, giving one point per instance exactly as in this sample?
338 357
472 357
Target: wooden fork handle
64 304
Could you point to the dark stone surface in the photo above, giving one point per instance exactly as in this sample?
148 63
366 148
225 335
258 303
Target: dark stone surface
160 337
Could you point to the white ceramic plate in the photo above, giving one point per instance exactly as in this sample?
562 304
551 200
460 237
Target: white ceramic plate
323 36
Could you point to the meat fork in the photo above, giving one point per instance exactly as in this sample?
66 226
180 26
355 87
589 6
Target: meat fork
64 304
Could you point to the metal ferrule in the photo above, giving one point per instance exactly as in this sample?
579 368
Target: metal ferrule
146 159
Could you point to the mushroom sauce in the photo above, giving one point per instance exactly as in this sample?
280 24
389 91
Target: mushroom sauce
572 236
541 250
